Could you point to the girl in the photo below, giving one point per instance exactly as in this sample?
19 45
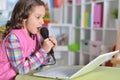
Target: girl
20 51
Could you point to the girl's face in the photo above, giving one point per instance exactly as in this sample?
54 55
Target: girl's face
35 20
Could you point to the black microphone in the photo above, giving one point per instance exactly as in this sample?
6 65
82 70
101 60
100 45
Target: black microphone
45 34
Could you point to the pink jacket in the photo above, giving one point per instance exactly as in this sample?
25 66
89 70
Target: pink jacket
6 70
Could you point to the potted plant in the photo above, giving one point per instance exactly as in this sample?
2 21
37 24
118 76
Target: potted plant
115 13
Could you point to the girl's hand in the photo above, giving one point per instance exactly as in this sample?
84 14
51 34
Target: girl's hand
49 43
54 41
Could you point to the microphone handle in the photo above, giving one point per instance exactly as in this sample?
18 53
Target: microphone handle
52 54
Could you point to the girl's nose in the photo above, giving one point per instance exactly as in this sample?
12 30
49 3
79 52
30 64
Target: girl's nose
42 21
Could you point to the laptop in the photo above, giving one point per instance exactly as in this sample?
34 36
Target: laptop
69 72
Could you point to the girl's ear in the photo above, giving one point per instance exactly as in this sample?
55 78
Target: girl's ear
24 22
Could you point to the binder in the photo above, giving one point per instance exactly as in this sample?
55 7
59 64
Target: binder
98 15
89 20
52 3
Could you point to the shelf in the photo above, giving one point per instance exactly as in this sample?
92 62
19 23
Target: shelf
85 28
62 48
100 1
59 25
111 29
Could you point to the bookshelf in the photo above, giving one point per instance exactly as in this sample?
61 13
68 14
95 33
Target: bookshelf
92 26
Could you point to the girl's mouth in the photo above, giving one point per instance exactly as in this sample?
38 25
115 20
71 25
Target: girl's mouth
38 28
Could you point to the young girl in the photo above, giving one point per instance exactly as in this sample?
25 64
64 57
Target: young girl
20 50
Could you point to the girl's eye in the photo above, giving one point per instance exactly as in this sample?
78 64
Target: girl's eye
38 17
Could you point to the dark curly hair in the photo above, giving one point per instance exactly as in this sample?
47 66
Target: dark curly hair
21 11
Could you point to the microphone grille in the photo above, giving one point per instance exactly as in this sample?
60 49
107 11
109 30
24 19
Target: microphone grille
44 32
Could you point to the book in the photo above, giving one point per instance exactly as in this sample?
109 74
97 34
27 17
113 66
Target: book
86 14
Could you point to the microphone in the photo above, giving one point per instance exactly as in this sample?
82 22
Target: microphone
45 34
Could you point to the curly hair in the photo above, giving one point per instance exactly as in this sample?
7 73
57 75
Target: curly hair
20 12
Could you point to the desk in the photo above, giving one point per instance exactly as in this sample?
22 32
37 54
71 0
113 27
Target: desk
100 73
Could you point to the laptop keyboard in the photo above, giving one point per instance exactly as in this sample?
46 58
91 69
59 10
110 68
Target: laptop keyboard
60 71
69 71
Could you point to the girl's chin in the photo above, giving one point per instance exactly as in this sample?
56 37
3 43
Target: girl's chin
34 32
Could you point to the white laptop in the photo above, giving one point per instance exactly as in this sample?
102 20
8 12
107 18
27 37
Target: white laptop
67 72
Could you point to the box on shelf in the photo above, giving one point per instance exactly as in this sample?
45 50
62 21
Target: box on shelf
85 46
95 47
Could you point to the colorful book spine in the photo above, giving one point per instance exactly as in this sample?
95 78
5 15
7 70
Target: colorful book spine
98 15
78 20
52 3
89 20
86 19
